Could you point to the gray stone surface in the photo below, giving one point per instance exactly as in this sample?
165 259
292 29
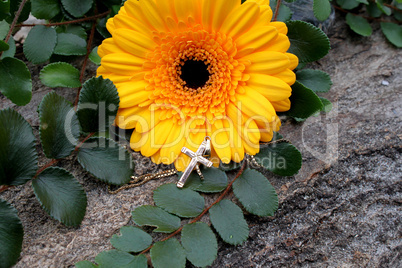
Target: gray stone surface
343 209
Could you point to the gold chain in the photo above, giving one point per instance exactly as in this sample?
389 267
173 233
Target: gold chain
140 180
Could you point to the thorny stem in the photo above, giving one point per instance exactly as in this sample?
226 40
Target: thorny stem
5 187
104 14
392 7
221 196
17 15
89 45
278 4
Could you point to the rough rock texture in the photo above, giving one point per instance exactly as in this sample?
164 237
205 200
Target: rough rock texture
343 209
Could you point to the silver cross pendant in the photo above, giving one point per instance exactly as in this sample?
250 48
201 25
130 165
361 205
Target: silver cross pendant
197 158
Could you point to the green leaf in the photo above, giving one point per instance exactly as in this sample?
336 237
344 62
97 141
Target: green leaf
60 74
45 9
321 9
77 8
132 239
69 44
373 10
214 181
182 202
73 29
168 253
59 128
94 57
15 82
228 220
256 193
116 258
157 217
363 2
11 51
200 244
384 9
277 136
40 43
280 158
284 13
3 45
61 195
4 9
316 80
14 6
304 102
359 24
106 160
18 157
393 32
98 104
327 105
307 42
348 4
11 235
4 28
85 264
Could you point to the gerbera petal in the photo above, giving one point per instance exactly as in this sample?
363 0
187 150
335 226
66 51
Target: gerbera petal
294 60
187 8
281 26
134 99
257 39
173 144
122 63
236 144
126 22
131 87
137 140
267 62
282 106
241 19
149 118
156 137
150 11
281 44
251 136
253 103
286 76
214 12
167 7
108 46
133 42
266 15
220 141
273 88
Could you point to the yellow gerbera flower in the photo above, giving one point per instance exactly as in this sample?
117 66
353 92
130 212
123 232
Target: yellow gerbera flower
186 69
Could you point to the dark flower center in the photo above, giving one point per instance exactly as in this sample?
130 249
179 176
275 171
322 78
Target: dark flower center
195 73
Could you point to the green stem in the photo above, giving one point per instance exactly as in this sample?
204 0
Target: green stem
221 196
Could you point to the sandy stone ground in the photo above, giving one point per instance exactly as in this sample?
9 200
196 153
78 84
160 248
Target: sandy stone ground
343 209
